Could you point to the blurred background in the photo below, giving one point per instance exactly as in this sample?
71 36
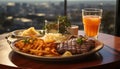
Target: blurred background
21 14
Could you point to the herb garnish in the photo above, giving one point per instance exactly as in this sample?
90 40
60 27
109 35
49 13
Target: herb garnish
26 40
79 40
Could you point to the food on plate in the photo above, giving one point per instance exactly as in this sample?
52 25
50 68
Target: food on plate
57 37
30 32
67 53
36 46
41 47
76 45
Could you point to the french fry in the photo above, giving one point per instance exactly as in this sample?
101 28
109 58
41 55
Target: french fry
37 46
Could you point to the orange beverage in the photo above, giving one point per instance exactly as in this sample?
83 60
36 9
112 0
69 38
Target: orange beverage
91 20
91 25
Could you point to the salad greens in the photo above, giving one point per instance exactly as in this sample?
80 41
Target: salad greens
64 24
61 25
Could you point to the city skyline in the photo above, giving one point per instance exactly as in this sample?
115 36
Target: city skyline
16 13
70 2
52 0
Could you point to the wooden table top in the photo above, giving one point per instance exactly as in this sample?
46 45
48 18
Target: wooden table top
107 57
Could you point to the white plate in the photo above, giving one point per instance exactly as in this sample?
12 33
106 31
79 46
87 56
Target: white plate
17 33
99 45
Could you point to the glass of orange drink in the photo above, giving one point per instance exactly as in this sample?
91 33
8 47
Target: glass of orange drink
91 20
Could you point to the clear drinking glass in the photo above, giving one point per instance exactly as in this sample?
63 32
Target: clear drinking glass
91 20
51 27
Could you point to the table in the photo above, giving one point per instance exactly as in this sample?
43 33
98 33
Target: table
107 57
